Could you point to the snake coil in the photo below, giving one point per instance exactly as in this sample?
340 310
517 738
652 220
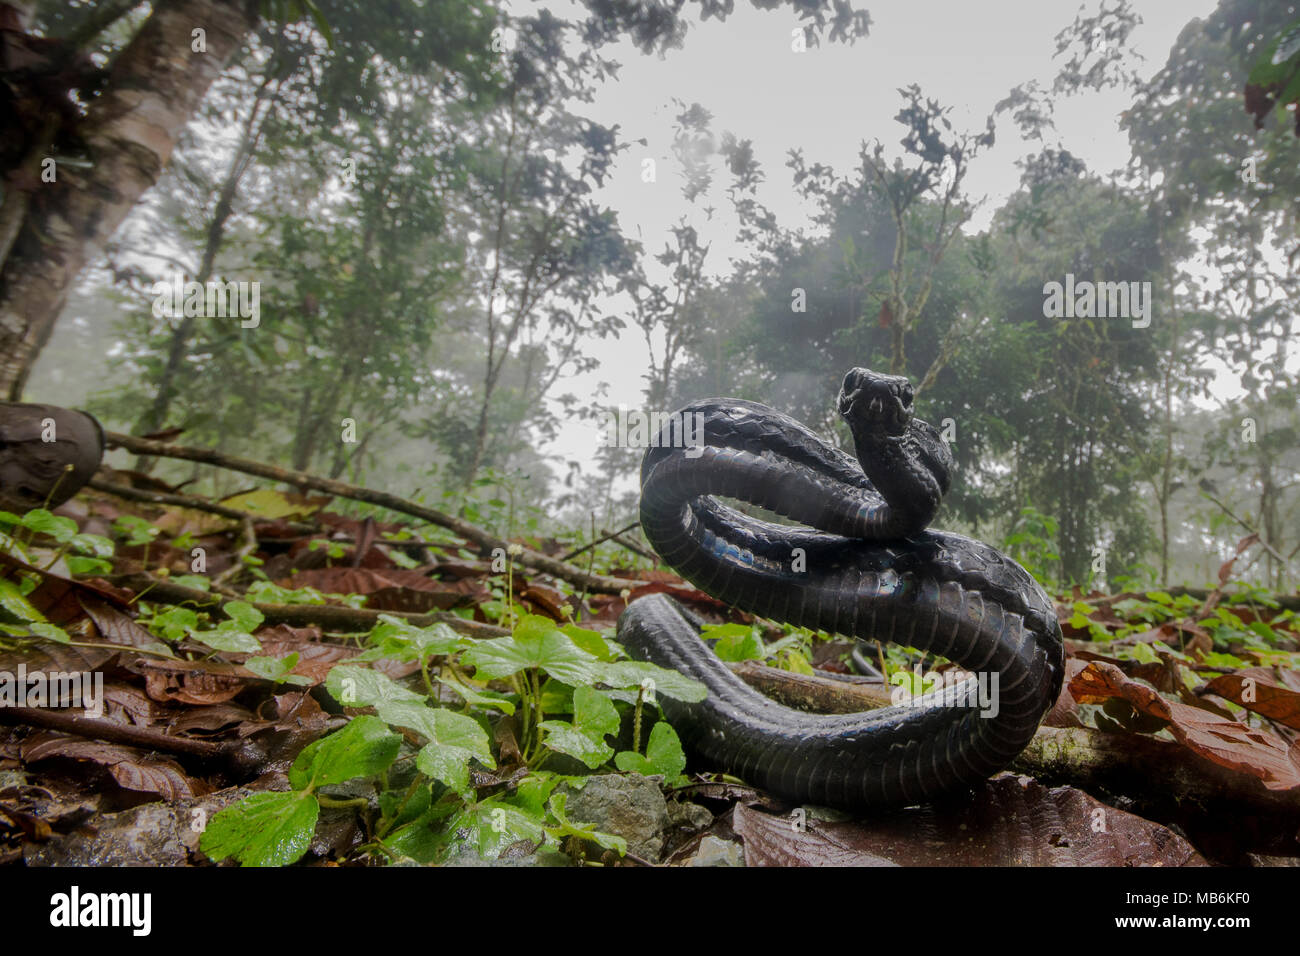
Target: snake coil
864 567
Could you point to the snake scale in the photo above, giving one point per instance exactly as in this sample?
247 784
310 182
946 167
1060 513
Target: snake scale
863 565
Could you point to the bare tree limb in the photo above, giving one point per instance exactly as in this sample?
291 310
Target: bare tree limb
341 489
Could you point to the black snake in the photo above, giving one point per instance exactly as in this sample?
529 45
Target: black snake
869 570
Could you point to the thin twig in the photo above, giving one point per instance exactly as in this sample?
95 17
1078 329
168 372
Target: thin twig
605 536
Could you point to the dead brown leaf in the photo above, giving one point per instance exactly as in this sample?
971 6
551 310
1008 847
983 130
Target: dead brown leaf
133 769
1260 695
1226 742
1012 821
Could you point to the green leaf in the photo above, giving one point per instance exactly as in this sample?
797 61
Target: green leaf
454 740
229 639
93 545
81 565
594 717
245 616
403 641
50 632
736 642
663 755
797 663
536 642
16 604
479 698
1144 653
590 641
174 623
278 669
265 829
196 581
666 682
495 825
364 748
363 687
399 809
418 839
44 521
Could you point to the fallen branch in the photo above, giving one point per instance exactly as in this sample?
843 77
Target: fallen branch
341 489
183 501
330 617
811 693
98 729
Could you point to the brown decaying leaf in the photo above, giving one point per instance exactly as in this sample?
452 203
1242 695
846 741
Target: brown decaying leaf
194 682
210 718
1265 696
32 826
544 599
114 624
1011 821
132 769
1226 742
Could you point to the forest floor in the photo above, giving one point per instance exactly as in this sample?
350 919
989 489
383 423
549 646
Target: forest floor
286 680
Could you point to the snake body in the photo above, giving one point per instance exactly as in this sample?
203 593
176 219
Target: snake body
865 567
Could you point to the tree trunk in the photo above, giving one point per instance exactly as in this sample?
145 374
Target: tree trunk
154 87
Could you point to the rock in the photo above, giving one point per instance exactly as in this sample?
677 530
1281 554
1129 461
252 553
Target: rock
147 835
714 851
630 806
152 834
543 856
690 816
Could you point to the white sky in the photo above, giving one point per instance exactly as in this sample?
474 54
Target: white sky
826 101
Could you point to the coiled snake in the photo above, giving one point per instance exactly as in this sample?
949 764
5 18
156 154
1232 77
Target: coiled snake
864 567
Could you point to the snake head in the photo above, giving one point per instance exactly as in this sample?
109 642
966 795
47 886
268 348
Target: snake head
872 402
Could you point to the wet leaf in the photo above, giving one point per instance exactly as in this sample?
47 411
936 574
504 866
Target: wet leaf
663 755
536 643
364 748
265 829
594 717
